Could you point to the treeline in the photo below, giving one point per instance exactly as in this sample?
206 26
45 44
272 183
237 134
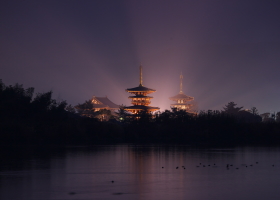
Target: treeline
37 119
210 127
26 118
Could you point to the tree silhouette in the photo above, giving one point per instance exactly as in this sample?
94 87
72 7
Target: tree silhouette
254 111
43 102
231 108
86 109
278 117
15 100
70 108
104 114
123 114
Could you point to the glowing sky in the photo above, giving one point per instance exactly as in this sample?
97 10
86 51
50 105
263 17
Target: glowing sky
226 50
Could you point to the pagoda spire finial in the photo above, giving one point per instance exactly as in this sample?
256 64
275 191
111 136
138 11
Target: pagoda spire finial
141 80
181 83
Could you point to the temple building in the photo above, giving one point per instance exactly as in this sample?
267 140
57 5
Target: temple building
140 101
100 103
98 107
181 99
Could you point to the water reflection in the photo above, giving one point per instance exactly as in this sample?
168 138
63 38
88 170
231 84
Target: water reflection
140 172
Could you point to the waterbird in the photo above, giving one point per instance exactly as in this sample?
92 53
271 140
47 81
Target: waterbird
162 167
118 193
113 181
177 167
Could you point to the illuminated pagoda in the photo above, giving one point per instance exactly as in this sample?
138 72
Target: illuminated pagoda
140 101
182 99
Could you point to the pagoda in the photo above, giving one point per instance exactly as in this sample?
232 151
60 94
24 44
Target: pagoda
182 99
140 101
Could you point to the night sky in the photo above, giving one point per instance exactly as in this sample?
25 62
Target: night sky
227 50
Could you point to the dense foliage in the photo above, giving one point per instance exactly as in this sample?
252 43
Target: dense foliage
29 119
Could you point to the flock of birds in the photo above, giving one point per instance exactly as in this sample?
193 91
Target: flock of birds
203 165
227 166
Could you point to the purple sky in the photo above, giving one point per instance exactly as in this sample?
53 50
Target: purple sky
226 50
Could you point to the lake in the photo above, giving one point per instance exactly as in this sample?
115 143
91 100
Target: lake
142 172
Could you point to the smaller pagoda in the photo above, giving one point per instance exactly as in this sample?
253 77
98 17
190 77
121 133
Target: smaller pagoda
140 101
182 99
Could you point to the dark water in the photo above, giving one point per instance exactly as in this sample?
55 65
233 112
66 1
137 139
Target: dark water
87 173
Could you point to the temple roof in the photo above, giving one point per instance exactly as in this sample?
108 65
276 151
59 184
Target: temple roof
181 96
140 88
105 102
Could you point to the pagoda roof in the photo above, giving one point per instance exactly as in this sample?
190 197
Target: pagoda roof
181 96
140 96
141 107
181 104
105 103
140 88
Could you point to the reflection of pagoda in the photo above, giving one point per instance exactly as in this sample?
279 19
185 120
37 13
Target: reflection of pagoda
181 99
140 101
